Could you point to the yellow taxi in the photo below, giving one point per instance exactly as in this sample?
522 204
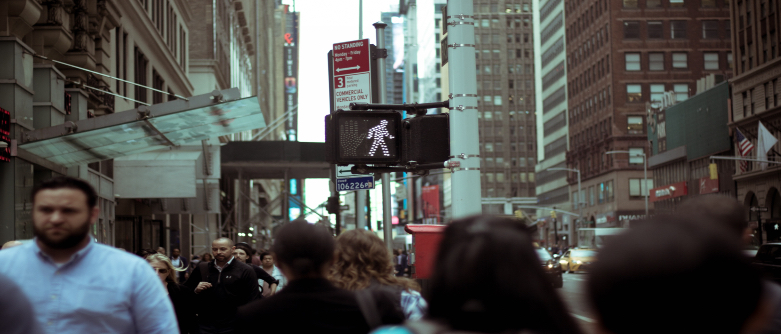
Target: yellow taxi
577 259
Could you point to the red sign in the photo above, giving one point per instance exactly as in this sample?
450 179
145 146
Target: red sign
669 191
708 186
430 199
351 57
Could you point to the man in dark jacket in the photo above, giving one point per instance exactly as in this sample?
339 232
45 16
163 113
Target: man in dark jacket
179 262
310 303
220 287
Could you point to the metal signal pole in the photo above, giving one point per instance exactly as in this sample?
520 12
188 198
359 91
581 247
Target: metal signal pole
462 80
387 219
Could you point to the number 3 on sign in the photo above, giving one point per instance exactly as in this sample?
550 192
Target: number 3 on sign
340 82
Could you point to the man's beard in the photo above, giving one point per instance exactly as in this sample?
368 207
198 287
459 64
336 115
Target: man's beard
69 241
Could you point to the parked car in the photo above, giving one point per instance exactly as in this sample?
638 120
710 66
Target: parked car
577 259
551 267
768 260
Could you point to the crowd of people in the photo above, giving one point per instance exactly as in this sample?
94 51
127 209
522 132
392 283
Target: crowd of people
677 273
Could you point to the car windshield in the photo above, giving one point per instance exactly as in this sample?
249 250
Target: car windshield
543 254
583 253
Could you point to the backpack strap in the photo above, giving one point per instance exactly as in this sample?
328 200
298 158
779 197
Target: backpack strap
368 308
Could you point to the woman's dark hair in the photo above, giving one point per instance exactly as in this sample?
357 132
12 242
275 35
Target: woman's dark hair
68 182
488 278
144 252
246 250
674 274
304 248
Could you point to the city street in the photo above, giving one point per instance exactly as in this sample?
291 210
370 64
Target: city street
574 296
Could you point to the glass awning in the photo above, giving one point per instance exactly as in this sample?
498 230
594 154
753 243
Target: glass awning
174 123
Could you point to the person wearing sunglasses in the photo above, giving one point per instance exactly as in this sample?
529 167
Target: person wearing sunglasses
181 296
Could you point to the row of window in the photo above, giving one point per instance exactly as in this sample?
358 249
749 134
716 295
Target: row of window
655 91
770 90
498 100
524 7
497 116
655 61
678 29
499 147
589 46
588 16
516 177
591 75
516 133
596 131
605 192
516 162
511 54
511 84
671 3
510 21
524 38
589 106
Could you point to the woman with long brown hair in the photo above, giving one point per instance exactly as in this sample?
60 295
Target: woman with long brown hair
362 262
181 297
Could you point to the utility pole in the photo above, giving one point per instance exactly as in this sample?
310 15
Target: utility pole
462 80
387 225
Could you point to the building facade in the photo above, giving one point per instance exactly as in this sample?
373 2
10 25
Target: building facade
552 186
755 99
622 55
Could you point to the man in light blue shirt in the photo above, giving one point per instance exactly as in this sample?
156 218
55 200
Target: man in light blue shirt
77 285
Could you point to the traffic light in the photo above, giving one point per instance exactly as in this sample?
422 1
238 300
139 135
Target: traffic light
381 137
553 214
519 214
426 139
333 205
363 137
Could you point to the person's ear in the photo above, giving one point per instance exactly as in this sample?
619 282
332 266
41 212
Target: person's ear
94 214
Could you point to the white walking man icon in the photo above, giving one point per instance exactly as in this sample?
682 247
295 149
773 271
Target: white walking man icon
379 133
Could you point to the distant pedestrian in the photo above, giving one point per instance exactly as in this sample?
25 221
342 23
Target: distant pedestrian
363 262
16 312
207 257
161 250
221 286
256 257
75 284
180 295
309 303
180 263
476 287
242 252
268 266
676 274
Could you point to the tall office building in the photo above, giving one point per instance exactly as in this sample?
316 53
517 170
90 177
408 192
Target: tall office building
755 98
505 76
622 55
552 186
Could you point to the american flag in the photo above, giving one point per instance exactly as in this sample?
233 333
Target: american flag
745 147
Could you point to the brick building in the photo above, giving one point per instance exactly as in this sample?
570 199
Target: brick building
621 56
755 98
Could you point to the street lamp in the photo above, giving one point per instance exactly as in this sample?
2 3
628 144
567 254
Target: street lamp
645 174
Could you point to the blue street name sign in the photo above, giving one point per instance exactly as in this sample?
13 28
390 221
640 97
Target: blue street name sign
355 183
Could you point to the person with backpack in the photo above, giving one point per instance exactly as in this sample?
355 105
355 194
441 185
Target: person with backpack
363 262
487 279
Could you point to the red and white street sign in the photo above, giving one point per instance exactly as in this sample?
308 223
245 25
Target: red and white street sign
351 73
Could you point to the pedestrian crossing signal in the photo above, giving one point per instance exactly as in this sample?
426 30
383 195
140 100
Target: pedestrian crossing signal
363 137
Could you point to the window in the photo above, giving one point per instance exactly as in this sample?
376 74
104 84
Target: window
729 59
677 3
591 195
609 190
678 29
630 3
680 60
657 91
497 100
653 3
632 61
489 177
710 29
711 60
636 184
681 92
634 124
655 29
635 155
631 29
489 147
656 61
634 93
